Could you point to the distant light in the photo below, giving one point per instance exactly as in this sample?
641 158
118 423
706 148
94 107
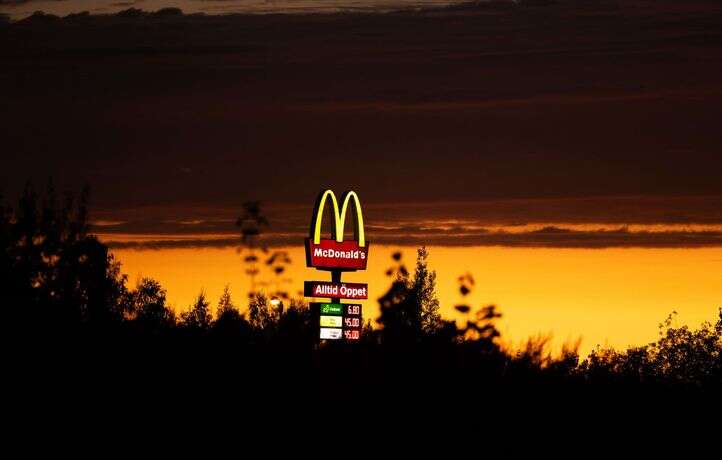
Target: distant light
275 301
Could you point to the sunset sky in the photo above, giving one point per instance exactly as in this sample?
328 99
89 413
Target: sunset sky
568 155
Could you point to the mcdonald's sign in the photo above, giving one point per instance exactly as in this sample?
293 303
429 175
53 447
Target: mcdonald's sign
337 321
335 253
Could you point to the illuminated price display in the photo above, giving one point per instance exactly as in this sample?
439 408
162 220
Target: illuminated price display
354 334
328 333
352 322
331 321
339 321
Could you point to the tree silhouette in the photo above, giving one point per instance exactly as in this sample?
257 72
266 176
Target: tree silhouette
295 330
260 314
410 309
423 291
278 261
225 303
54 273
230 323
252 223
198 317
151 315
400 318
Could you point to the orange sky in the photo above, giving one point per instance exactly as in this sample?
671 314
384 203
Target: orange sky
606 296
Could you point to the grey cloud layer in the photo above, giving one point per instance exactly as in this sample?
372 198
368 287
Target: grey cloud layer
550 237
590 223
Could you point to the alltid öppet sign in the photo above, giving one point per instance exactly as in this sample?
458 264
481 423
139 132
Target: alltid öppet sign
355 291
337 320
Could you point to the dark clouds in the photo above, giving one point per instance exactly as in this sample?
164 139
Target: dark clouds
21 2
549 237
173 7
587 223
562 101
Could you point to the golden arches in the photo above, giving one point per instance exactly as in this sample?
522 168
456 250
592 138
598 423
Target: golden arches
339 217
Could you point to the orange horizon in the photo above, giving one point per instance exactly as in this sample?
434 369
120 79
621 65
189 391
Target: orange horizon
609 297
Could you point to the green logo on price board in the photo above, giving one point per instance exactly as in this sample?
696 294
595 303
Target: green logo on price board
331 309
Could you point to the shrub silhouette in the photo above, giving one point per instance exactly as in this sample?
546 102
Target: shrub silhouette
680 357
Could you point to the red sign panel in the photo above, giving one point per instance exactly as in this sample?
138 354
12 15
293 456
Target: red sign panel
329 254
355 291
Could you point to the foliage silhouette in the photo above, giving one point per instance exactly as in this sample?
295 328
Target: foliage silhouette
410 309
252 224
150 313
230 324
63 294
54 274
198 317
680 357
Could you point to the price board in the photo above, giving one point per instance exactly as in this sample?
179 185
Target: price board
339 321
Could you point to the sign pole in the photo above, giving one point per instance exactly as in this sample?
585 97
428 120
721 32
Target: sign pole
336 278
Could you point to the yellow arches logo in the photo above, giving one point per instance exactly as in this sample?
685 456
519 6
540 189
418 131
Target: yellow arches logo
335 254
339 217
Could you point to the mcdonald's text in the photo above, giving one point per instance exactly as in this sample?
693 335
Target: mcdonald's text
329 254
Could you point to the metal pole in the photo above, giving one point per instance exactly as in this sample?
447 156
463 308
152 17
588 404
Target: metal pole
336 278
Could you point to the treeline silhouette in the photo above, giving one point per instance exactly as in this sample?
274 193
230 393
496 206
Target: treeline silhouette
68 310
